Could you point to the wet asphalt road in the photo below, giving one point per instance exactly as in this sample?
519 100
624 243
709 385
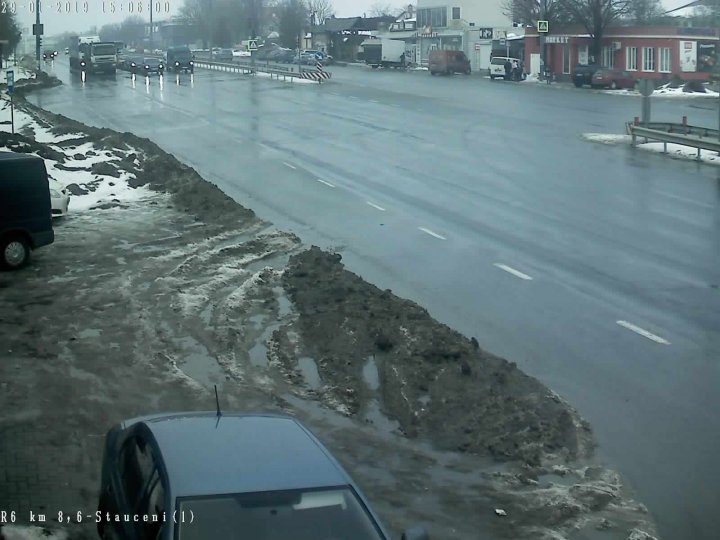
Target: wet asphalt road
478 200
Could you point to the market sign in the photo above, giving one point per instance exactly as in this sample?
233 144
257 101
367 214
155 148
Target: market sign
557 39
486 33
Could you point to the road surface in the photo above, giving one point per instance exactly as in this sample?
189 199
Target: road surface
596 268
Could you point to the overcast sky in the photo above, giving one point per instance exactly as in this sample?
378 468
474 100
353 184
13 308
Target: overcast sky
99 11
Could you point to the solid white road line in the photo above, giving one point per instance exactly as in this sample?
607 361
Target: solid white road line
374 101
376 206
288 165
428 231
514 272
328 184
644 333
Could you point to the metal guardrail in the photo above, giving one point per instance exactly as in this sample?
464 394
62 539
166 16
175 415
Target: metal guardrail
668 132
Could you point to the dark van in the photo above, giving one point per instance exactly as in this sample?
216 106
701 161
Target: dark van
25 211
448 62
179 59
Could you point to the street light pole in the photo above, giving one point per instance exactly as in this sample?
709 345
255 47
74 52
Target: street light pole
151 28
37 34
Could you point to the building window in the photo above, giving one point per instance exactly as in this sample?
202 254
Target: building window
608 57
665 60
631 58
435 17
648 58
456 13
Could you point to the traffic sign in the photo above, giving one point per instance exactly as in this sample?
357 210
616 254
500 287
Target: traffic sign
543 27
477 46
38 29
252 45
10 77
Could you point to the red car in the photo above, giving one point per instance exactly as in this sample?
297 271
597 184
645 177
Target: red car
612 78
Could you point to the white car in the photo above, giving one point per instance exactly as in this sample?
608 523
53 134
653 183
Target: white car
59 202
240 53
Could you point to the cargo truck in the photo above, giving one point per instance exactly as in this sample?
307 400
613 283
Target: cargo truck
89 54
384 52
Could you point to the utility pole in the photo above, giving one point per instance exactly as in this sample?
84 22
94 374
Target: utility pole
152 50
38 33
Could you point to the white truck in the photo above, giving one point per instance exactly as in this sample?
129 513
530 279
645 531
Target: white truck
90 54
384 52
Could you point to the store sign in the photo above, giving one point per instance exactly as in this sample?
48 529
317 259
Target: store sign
557 39
428 35
499 34
486 33
688 56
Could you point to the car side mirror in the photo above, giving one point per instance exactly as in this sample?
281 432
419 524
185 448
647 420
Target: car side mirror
415 533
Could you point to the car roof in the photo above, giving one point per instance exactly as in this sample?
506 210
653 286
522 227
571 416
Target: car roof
241 453
17 156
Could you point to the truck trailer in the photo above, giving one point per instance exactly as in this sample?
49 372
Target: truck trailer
384 52
89 54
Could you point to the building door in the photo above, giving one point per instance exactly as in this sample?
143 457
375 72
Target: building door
535 63
583 55
481 58
566 58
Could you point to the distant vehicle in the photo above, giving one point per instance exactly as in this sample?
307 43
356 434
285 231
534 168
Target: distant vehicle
134 64
261 476
448 62
67 50
239 53
179 59
25 208
153 65
59 201
583 74
48 55
89 54
612 78
384 52
222 55
497 66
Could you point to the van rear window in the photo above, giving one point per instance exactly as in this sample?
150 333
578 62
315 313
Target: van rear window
498 61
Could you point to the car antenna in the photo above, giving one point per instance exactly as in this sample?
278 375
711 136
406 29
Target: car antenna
217 402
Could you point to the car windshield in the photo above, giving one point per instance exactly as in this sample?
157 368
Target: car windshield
278 515
104 49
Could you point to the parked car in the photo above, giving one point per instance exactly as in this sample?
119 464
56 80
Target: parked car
612 78
448 62
25 208
261 476
59 201
583 74
497 66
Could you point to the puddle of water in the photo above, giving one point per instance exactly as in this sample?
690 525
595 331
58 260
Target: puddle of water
195 361
378 418
89 333
309 369
370 373
283 302
258 355
206 314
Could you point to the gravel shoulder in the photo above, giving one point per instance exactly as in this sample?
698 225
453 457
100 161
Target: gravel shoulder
145 302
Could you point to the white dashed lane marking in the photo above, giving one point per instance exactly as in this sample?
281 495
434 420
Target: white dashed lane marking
328 184
375 206
431 233
516 273
288 165
643 332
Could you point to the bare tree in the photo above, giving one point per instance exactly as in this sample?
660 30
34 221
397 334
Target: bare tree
382 9
293 20
645 11
322 9
595 16
532 11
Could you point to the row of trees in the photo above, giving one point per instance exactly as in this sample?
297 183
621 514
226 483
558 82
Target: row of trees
597 15
9 30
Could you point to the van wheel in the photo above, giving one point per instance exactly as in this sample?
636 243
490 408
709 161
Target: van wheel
15 252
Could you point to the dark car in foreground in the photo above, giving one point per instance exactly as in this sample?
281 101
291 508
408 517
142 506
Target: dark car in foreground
583 74
613 78
254 476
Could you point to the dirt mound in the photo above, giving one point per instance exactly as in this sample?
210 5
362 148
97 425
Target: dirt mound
434 381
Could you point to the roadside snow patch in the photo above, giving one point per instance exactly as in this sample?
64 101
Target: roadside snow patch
606 138
678 151
667 92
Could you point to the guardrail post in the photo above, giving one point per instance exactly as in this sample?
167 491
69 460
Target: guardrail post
664 147
699 158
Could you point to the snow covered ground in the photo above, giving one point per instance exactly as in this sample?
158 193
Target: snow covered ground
678 151
21 532
89 189
667 92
